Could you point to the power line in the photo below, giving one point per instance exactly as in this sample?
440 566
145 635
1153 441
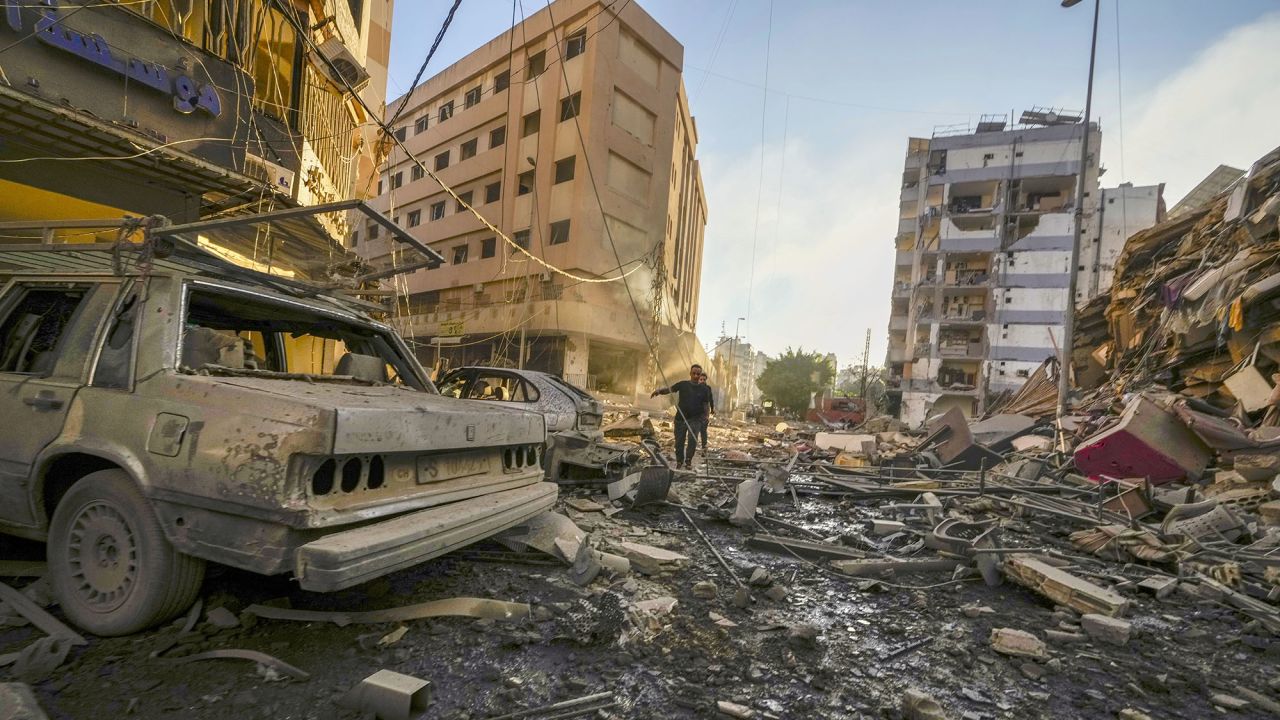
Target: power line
764 107
423 67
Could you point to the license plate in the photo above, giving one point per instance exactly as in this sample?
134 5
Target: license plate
436 468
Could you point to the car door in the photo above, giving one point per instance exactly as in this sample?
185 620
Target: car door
46 329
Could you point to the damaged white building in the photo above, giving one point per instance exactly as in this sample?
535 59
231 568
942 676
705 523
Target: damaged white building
986 221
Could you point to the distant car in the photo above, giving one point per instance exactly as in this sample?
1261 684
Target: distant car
576 450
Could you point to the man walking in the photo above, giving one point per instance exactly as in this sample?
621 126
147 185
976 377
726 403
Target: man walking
692 408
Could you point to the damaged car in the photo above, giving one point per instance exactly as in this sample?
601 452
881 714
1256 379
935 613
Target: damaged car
164 413
576 447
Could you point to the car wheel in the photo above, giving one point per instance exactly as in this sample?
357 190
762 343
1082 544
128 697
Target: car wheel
110 565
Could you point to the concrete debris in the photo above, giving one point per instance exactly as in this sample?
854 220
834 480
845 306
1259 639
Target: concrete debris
222 618
38 617
1019 643
18 702
657 606
918 705
389 695
651 560
1064 588
39 660
1106 629
1229 702
734 710
480 608
583 504
705 589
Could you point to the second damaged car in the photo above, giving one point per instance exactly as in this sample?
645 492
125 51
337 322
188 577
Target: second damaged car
161 413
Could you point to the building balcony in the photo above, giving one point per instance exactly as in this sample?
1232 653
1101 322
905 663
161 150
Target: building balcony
974 350
896 355
975 317
922 350
903 257
907 226
902 289
967 278
897 322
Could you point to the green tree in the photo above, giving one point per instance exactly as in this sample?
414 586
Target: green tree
791 379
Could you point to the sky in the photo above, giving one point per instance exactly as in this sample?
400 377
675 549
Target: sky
802 179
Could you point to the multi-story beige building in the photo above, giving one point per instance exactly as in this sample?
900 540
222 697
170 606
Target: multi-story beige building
571 133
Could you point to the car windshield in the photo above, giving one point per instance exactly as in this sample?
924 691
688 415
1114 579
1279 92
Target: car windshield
227 333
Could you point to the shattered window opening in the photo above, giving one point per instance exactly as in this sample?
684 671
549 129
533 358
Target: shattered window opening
225 333
32 330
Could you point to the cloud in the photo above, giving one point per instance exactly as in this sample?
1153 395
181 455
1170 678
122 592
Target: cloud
823 269
1219 108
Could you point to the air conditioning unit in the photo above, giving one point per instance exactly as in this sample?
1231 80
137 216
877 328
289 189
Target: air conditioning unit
349 70
546 276
278 176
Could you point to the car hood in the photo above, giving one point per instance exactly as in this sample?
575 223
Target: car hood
370 419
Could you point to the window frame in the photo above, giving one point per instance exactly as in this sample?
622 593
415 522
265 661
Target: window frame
570 163
436 211
553 232
499 132
501 81
467 197
454 254
575 44
442 160
537 64
467 99
570 106
415 218
523 187
495 195
444 112
534 120
474 144
488 248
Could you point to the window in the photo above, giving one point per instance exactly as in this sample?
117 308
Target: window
355 238
459 254
437 210
465 198
397 180
497 137
469 149
559 232
276 68
488 247
379 186
114 368
420 126
442 160
575 44
521 238
416 172
530 125
415 218
446 111
29 336
472 97
493 192
501 81
373 231
402 133
537 63
564 169
524 183
569 106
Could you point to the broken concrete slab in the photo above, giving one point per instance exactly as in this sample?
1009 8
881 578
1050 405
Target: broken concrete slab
389 695
657 606
1018 643
541 533
748 495
37 661
1031 443
1062 587
1106 629
583 505
222 618
38 617
846 442
1148 442
919 705
1159 586
734 710
651 560
998 431
705 590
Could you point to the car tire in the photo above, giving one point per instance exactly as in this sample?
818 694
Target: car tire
110 565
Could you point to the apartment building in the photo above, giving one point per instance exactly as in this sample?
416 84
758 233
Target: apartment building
189 109
570 133
1122 212
986 222
738 365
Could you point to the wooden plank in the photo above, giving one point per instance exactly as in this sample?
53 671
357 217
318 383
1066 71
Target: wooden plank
874 567
38 616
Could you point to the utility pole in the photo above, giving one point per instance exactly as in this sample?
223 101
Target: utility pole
733 366
866 359
1069 322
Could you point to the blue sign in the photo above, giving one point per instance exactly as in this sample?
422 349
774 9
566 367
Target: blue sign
188 95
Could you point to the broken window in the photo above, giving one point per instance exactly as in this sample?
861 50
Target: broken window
472 97
115 358
524 183
416 172
497 137
575 44
420 126
530 124
31 331
537 63
373 231
442 160
446 111
397 180
488 247
464 198
501 81
501 387
570 106
459 254
564 170
493 192
402 133
229 333
437 210
559 232
415 218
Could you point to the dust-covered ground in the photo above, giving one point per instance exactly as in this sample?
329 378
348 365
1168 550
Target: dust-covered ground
833 647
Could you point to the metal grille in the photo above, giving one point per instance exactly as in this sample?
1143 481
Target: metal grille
329 128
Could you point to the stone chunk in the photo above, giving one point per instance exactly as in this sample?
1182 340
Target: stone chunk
1062 587
18 702
1161 587
852 443
1008 641
735 710
649 559
1230 702
657 606
1107 629
974 611
918 705
222 618
705 590
776 593
1065 638
583 505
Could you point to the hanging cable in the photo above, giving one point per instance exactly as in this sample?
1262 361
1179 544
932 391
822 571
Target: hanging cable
423 67
764 107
